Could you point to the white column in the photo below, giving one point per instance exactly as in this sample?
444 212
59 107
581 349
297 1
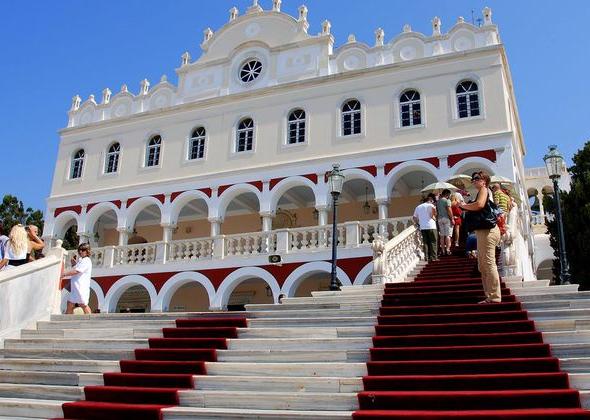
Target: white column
84 238
266 221
322 215
541 208
383 204
215 226
167 231
123 236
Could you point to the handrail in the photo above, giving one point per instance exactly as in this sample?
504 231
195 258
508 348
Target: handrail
393 260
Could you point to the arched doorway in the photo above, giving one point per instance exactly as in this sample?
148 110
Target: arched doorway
190 297
313 282
135 299
250 290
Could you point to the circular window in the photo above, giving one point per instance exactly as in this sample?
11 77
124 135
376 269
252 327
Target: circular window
250 70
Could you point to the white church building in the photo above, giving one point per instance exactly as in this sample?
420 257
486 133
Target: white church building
185 190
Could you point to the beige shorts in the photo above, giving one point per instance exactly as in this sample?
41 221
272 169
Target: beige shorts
444 227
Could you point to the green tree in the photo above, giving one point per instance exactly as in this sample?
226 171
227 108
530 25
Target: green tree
12 212
576 220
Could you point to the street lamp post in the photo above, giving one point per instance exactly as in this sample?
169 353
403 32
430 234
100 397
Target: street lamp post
335 182
555 164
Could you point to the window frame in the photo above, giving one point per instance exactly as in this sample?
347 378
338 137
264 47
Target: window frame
297 122
238 131
107 155
466 94
74 161
191 139
343 113
147 152
411 103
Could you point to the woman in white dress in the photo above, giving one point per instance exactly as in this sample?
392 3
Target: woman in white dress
14 252
80 274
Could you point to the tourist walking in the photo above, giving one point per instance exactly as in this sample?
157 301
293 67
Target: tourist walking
15 248
425 217
481 217
501 198
445 222
80 274
457 214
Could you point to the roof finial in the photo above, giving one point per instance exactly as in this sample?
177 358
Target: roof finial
487 16
407 28
379 36
106 96
144 87
436 26
76 100
91 98
276 5
233 13
124 88
163 78
302 13
460 19
351 38
207 35
186 58
326 25
254 8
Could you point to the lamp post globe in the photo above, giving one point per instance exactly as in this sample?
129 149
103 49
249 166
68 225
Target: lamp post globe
335 183
555 164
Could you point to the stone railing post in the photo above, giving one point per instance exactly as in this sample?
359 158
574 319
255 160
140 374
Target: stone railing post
352 234
283 245
161 253
219 247
109 257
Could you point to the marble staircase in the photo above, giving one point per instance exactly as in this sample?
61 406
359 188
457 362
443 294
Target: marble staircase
302 359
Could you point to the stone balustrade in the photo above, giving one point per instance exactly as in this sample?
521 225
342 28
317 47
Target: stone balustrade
393 260
281 241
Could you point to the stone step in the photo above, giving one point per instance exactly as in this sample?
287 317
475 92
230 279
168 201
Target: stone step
353 298
302 344
39 378
519 291
96 333
278 383
312 322
557 304
526 284
311 306
570 350
542 297
74 354
58 365
107 324
155 316
566 324
311 332
566 337
31 408
580 381
268 356
347 292
45 392
74 343
575 364
185 413
270 400
315 313
560 314
290 369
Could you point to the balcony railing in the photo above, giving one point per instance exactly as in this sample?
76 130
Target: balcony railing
281 241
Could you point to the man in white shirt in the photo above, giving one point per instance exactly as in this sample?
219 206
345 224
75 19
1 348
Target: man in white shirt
425 216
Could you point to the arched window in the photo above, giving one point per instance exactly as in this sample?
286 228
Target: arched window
196 144
296 127
77 164
152 153
467 99
245 135
351 117
112 159
409 108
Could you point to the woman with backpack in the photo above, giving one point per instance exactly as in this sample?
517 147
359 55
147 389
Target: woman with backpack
481 217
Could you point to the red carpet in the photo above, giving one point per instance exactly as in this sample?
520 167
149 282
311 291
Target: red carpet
151 382
438 354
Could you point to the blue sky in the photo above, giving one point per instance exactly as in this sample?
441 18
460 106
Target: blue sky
52 50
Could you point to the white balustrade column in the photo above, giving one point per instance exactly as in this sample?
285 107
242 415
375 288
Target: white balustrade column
123 236
84 238
215 226
352 234
266 221
383 205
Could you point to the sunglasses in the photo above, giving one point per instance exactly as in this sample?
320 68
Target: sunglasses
475 179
